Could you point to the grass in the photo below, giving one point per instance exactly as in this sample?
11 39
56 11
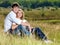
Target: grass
50 27
51 31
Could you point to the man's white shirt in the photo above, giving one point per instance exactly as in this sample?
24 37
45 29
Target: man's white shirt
10 18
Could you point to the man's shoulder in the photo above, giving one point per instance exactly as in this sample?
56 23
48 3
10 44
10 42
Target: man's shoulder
11 13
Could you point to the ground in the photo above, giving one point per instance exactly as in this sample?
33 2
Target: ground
52 31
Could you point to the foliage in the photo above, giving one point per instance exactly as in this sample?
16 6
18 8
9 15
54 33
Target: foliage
31 3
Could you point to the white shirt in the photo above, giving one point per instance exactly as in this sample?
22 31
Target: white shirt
10 18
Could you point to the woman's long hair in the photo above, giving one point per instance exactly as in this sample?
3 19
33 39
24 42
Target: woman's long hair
22 17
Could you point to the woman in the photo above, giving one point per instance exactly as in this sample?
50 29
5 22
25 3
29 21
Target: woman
24 24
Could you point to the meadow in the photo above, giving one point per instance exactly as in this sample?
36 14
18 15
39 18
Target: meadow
50 27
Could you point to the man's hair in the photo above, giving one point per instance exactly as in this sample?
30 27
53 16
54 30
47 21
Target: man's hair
15 4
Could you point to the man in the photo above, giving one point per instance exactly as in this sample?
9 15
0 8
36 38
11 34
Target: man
11 17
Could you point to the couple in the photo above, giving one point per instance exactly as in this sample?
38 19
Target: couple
15 22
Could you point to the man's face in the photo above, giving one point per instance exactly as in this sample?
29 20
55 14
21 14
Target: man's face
15 9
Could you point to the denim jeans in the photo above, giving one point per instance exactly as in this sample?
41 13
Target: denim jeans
40 34
21 28
37 31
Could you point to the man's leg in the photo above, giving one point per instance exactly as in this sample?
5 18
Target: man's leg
40 34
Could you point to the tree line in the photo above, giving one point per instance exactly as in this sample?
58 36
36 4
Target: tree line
31 4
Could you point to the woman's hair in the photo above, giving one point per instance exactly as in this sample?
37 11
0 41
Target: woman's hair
22 17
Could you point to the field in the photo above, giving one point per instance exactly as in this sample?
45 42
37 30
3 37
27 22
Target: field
50 27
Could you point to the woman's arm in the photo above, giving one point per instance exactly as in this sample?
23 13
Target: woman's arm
27 24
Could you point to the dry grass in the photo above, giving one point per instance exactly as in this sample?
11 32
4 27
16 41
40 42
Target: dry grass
51 31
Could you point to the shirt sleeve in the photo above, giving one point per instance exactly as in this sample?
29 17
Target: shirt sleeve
14 19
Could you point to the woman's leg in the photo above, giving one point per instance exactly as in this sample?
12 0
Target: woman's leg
16 31
23 29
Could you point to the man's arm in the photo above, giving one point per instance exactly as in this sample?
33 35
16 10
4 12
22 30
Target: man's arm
14 19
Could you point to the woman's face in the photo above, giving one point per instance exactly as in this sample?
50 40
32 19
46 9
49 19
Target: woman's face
19 14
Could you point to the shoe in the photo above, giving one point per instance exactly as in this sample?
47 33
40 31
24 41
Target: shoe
48 41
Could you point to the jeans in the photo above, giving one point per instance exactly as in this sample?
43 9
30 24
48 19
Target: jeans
39 33
21 28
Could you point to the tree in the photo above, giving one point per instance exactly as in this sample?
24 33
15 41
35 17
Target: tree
5 4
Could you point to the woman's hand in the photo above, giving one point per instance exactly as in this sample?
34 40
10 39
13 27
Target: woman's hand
27 24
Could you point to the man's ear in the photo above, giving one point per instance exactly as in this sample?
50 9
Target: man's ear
11 8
